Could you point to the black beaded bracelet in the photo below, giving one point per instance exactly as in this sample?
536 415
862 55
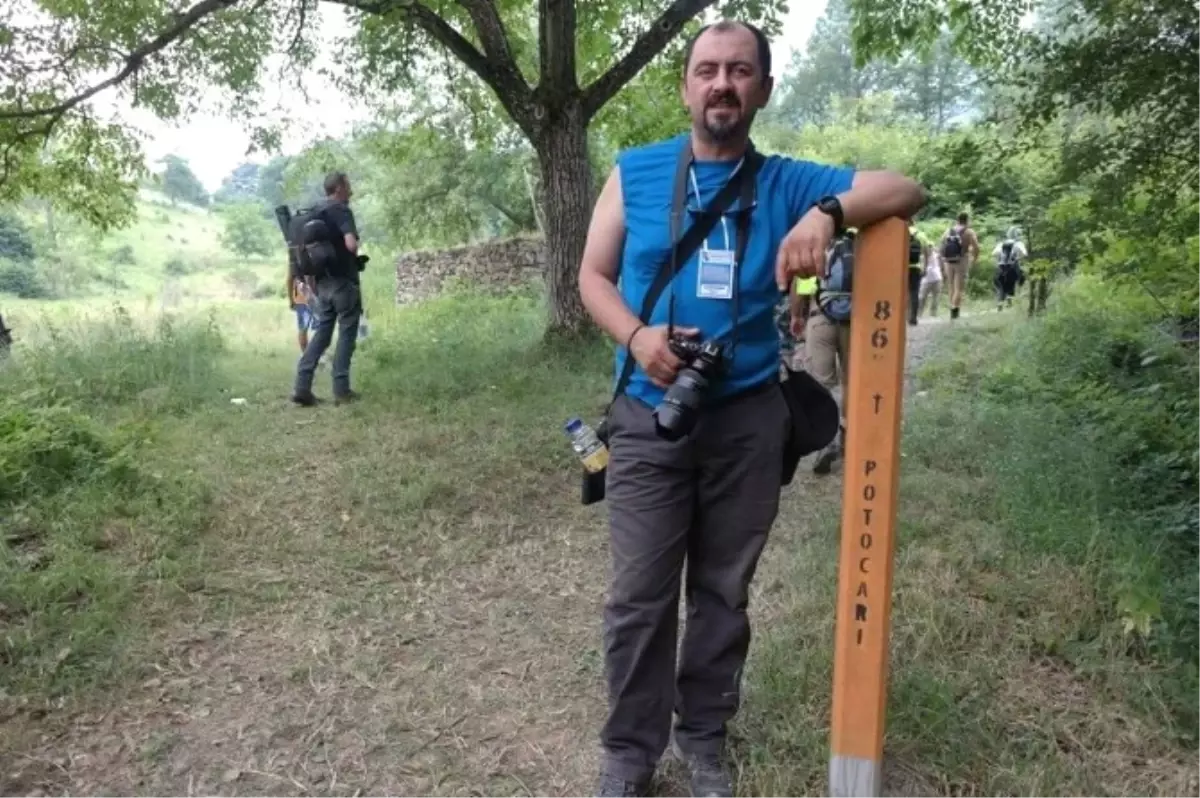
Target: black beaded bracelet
629 342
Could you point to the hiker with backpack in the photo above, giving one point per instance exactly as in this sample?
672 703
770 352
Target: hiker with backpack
918 257
827 336
323 244
959 250
1009 255
931 285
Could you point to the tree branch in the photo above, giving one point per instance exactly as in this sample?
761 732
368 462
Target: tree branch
133 61
510 88
556 47
648 45
492 34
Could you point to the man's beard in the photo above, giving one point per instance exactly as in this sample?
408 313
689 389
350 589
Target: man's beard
721 132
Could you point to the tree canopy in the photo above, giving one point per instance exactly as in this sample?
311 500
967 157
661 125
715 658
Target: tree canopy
547 67
180 183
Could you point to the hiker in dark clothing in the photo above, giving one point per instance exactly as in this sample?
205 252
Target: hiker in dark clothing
1009 254
339 299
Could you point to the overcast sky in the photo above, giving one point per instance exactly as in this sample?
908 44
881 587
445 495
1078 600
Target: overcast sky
214 144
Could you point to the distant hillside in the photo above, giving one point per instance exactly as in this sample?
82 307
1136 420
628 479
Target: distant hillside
171 253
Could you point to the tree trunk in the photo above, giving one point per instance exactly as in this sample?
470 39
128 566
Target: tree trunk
538 218
566 187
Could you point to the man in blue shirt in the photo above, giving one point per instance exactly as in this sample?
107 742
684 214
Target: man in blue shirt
711 496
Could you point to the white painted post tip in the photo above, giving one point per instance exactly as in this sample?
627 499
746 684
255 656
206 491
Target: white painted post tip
852 777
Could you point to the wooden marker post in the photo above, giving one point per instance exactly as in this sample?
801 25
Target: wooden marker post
869 491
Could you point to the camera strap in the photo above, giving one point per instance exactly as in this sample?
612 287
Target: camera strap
741 185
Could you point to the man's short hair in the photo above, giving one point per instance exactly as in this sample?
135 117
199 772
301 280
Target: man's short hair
963 218
725 25
334 181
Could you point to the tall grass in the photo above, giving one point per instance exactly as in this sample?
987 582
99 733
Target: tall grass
90 535
483 353
165 365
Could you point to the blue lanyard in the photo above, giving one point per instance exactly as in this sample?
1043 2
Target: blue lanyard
700 203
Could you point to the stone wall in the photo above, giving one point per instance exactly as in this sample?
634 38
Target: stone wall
497 265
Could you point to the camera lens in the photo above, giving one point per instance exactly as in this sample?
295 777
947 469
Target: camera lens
676 414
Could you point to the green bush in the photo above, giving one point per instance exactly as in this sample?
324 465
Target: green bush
122 256
243 283
178 266
23 279
169 367
43 449
15 242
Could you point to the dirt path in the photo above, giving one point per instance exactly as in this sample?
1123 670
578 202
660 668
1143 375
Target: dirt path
373 661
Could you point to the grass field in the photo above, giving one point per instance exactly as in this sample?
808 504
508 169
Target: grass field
404 595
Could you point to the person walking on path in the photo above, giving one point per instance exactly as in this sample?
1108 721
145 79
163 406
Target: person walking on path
1010 255
959 250
302 299
827 352
918 258
931 285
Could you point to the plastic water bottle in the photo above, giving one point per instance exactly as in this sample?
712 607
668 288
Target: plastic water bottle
590 449
364 329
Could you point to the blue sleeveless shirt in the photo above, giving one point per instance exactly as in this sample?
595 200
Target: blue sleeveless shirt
786 189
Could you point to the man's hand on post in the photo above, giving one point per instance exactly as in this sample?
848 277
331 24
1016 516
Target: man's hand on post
650 349
802 253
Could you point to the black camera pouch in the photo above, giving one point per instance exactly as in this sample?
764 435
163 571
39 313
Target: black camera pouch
592 488
592 484
814 419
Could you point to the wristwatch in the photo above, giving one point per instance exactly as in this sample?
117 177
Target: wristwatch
831 206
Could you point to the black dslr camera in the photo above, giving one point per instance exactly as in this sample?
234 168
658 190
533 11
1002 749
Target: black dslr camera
676 414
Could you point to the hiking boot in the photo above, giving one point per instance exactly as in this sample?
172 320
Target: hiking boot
305 399
953 313
830 453
707 775
345 398
614 787
826 459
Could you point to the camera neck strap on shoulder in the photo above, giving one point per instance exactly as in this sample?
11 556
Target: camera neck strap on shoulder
741 185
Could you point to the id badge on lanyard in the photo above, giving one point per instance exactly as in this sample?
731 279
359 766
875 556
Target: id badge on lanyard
718 267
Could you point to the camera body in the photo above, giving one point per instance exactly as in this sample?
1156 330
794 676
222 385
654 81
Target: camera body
704 362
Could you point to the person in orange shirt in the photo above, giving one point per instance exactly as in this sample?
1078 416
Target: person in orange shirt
300 299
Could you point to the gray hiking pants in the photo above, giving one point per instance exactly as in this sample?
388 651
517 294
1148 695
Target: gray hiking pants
709 498
339 301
